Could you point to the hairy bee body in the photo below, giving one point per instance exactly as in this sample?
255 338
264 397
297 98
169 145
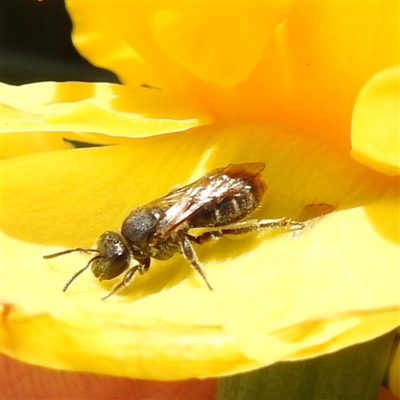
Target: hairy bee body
162 227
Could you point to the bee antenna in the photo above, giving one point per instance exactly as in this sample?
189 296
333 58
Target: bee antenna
61 253
72 278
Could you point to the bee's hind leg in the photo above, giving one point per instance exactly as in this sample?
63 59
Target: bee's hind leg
244 227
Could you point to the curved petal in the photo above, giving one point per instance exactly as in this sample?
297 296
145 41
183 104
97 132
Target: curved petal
304 73
167 325
217 42
99 108
98 41
375 129
18 144
327 274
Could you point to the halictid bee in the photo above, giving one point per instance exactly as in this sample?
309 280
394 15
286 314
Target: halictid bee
162 228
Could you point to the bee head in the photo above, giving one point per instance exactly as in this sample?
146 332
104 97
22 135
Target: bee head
113 257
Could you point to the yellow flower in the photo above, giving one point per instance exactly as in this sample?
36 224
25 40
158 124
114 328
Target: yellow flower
205 85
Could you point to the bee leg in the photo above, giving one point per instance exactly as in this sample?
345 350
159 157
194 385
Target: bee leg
246 227
206 236
285 223
191 257
128 277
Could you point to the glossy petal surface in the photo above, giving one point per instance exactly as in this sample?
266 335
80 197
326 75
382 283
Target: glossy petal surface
101 108
293 64
376 126
168 325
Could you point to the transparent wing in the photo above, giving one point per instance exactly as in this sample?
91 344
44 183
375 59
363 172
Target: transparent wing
182 203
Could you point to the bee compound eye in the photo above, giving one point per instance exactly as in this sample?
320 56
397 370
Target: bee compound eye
114 256
104 269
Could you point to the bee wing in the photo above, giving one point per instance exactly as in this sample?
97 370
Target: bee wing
210 189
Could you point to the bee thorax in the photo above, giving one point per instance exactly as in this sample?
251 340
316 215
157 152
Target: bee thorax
140 225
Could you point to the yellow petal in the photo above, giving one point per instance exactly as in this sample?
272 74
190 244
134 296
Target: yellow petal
167 324
17 144
361 326
217 42
330 267
304 73
375 129
101 108
100 42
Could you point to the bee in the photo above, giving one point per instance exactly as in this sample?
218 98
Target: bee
161 228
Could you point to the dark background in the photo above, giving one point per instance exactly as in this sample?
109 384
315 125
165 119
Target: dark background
35 45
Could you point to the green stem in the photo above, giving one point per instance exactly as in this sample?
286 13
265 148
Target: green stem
354 373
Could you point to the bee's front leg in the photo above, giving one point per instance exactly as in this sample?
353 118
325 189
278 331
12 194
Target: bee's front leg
128 277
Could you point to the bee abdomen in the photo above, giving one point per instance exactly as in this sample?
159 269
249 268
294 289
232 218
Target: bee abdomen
226 212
